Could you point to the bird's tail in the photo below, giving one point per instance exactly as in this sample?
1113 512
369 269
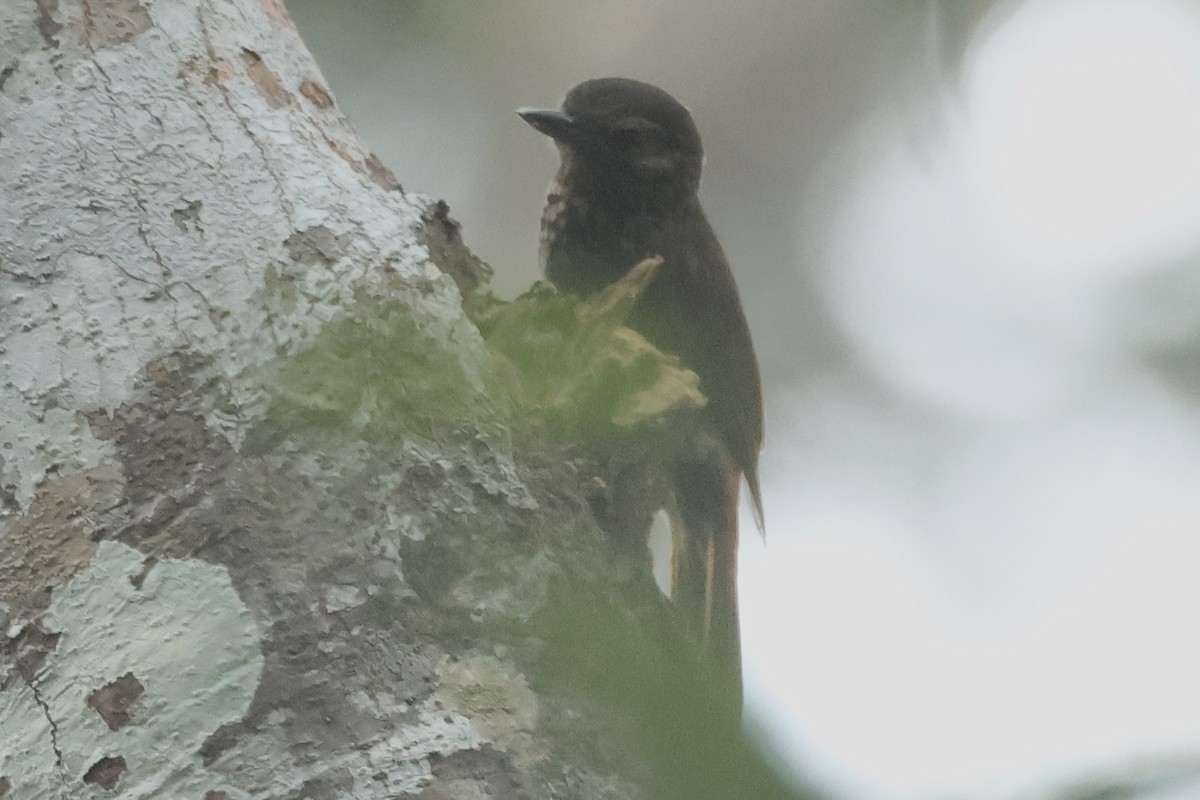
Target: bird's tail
704 561
756 499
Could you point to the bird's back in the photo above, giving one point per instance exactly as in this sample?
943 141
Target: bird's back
692 310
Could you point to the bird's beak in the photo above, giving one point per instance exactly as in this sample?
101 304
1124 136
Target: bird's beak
556 124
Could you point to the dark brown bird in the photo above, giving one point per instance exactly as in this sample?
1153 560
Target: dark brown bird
627 189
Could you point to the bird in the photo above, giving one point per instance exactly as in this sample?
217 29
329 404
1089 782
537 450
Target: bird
627 189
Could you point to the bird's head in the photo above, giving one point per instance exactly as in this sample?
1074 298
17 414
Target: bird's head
623 138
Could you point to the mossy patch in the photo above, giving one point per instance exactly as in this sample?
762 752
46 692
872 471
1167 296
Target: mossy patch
374 369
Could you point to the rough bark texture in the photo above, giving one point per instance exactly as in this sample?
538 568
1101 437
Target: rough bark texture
276 522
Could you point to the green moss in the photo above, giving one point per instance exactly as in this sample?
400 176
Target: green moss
373 370
594 380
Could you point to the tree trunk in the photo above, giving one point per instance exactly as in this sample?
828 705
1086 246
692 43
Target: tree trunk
274 524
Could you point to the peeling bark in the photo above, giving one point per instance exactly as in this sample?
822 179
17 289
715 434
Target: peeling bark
278 521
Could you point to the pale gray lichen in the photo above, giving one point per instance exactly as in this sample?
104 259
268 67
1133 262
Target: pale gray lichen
186 637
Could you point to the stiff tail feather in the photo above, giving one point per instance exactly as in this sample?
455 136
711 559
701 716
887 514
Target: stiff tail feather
704 560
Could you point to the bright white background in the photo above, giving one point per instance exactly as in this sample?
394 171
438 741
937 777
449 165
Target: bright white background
1011 593
967 237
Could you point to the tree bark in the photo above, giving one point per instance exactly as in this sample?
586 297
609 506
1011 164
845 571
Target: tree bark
278 523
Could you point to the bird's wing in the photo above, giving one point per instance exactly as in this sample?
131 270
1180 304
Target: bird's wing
723 352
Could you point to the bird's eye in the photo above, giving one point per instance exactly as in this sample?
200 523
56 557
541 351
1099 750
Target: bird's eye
636 135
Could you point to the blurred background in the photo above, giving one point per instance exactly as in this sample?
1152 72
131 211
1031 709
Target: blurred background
967 236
